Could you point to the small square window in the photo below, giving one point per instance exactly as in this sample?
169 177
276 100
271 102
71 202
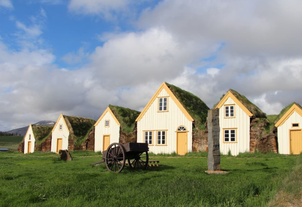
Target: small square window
229 111
230 135
60 126
107 123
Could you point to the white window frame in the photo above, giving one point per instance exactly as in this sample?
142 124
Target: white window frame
227 134
107 121
229 111
148 137
60 126
163 104
161 137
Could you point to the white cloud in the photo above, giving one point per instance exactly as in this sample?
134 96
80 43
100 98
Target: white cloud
74 58
96 7
6 3
32 31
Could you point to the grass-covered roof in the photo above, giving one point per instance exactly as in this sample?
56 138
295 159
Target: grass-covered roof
193 104
79 127
41 132
283 111
247 103
125 116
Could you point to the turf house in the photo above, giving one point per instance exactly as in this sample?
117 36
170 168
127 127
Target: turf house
170 119
70 132
116 124
243 126
34 137
289 129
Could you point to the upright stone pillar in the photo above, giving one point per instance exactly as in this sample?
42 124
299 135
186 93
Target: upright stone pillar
213 140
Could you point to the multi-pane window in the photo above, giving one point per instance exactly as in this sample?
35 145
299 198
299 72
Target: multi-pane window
229 111
230 135
29 137
60 126
107 123
148 137
161 137
162 104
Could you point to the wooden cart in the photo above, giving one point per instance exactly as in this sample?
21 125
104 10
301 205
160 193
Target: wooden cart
116 154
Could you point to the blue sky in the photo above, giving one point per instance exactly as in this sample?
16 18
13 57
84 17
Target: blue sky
77 56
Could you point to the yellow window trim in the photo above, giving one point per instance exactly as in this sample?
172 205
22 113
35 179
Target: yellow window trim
108 123
229 142
166 135
295 126
144 138
104 113
180 106
230 117
294 108
158 111
230 95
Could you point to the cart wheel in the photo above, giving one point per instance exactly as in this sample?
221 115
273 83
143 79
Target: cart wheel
115 158
140 161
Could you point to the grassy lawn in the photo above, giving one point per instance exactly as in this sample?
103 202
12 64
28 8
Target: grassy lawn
10 142
41 179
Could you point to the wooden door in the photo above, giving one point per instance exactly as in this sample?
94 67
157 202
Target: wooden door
106 142
29 147
296 141
182 143
59 144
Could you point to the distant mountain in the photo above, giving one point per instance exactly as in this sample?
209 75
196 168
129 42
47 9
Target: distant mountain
22 131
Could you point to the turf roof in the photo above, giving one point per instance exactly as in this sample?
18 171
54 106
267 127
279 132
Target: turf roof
79 126
193 104
41 132
125 116
283 111
247 103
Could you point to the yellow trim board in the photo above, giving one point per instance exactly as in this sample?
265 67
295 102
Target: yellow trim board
294 108
104 113
54 127
27 131
230 95
180 106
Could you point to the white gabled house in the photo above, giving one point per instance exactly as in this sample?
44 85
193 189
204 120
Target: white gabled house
167 121
235 114
289 130
29 141
70 132
115 125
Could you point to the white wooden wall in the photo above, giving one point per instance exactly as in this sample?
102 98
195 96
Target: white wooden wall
170 121
57 133
26 140
284 132
100 130
242 123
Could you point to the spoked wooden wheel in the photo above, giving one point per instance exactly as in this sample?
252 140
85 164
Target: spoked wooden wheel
115 158
140 161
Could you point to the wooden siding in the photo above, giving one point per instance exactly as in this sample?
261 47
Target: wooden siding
164 121
26 140
241 123
100 130
284 132
60 133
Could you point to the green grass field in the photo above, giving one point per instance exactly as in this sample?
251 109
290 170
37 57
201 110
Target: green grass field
41 179
10 142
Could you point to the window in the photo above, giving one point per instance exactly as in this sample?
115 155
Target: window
181 128
229 111
60 126
148 137
29 137
161 137
230 135
163 104
295 125
107 123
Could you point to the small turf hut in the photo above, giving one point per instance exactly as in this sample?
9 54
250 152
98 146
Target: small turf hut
289 129
170 119
33 138
243 126
116 124
70 132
